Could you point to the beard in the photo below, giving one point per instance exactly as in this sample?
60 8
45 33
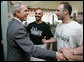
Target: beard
60 18
38 18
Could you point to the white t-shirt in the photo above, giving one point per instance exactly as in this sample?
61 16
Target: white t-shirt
69 35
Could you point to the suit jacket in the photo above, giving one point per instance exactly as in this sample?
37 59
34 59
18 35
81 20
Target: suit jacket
20 47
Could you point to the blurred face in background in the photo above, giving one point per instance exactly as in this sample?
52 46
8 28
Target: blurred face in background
38 14
22 15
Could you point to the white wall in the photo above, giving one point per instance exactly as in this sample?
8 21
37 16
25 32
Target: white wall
52 4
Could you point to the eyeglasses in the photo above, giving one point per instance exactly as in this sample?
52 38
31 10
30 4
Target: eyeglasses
38 13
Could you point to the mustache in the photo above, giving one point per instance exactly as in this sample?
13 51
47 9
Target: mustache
37 16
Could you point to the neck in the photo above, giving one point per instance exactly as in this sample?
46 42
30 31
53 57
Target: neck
67 20
38 22
19 18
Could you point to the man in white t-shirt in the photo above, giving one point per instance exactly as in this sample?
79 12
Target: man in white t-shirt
69 33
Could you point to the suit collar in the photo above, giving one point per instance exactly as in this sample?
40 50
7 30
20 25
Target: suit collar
18 20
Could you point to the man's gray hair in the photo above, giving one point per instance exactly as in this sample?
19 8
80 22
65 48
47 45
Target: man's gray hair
16 7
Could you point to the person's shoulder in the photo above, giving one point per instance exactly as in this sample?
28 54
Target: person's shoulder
77 25
59 24
31 23
75 22
45 24
14 22
15 26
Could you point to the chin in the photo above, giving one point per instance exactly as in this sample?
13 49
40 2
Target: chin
38 19
25 19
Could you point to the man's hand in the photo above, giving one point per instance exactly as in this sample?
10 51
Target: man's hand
61 57
67 53
11 16
44 40
51 40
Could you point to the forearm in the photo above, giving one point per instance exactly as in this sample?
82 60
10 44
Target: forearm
52 40
77 57
78 50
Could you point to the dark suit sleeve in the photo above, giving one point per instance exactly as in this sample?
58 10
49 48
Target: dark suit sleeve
27 46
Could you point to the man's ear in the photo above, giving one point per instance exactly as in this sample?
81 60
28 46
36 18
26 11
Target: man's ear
16 12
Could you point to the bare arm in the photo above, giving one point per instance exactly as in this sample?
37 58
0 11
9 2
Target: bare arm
51 40
77 57
68 53
78 50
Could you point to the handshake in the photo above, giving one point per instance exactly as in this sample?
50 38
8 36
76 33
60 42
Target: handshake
64 54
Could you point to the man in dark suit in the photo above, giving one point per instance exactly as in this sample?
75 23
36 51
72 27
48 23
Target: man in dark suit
19 45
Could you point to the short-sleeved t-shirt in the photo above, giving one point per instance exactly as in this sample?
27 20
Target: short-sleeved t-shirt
69 35
38 31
